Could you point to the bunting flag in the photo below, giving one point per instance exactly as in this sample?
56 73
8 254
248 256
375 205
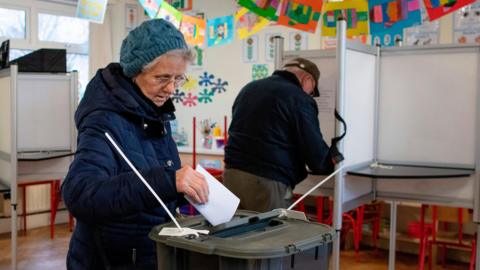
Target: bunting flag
220 31
354 11
248 23
169 13
393 16
193 29
92 10
439 8
388 18
301 14
269 9
181 4
151 7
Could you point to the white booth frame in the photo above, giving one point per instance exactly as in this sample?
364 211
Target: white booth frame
351 191
53 162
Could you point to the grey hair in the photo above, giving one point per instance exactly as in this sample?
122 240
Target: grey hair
187 54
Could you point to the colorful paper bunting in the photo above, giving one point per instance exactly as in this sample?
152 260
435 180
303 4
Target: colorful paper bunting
354 11
193 29
248 23
92 10
169 13
301 14
439 8
151 7
388 18
269 9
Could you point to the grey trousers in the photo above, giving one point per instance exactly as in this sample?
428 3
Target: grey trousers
257 193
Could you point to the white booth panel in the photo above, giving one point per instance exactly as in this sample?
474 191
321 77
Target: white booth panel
56 168
5 115
428 106
359 107
44 105
327 86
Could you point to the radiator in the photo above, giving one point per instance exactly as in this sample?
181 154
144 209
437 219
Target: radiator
38 198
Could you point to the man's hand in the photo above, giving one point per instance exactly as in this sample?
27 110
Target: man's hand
192 183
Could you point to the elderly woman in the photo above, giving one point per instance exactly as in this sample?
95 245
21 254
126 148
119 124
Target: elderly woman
131 101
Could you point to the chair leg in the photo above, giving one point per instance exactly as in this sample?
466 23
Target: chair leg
55 199
474 253
24 209
319 209
430 256
70 222
421 253
444 256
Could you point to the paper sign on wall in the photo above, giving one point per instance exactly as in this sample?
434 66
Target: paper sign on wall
219 31
298 41
427 33
259 71
169 13
250 49
466 27
270 46
193 29
92 10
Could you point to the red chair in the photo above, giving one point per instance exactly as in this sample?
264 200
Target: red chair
353 219
55 198
430 236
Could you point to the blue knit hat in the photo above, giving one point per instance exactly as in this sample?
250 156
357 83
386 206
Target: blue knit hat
146 42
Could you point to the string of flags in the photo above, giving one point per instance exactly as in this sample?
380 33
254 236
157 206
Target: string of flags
374 17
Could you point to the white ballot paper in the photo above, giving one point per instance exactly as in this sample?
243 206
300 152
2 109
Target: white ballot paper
222 203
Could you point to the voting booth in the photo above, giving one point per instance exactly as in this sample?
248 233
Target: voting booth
37 131
413 133
250 241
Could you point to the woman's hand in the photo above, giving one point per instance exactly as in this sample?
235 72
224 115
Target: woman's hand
192 183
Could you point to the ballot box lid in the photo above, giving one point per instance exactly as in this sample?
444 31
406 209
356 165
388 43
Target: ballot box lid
250 235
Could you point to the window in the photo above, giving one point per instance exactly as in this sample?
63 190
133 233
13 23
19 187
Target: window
62 29
16 53
12 23
79 62
34 24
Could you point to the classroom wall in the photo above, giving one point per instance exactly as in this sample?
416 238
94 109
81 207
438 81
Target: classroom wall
223 62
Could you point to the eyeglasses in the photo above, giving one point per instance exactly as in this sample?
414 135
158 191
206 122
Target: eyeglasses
178 81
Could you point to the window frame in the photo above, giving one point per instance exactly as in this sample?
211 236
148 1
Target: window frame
32 10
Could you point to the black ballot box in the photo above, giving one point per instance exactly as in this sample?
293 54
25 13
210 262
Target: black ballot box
251 241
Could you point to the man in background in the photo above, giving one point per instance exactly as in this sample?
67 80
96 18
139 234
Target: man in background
274 134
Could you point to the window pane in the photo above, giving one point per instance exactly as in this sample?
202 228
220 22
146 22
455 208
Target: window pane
12 23
62 29
79 62
16 53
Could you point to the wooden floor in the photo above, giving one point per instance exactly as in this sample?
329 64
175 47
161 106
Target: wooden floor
37 252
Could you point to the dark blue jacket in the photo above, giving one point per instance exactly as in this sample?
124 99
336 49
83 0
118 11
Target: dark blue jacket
113 209
275 131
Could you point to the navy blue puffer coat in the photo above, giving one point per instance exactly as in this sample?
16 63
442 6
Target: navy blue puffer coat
113 209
